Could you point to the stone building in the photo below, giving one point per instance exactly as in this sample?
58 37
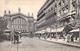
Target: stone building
57 17
19 22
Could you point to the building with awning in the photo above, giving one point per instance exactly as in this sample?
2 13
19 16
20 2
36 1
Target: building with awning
61 17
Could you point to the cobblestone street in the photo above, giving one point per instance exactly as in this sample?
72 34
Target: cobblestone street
33 44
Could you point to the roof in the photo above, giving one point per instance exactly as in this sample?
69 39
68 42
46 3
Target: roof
19 14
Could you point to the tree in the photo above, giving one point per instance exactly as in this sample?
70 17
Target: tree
3 24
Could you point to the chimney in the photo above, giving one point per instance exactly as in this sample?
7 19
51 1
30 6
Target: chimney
9 12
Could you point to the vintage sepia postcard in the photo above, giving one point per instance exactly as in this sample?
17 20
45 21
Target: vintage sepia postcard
39 25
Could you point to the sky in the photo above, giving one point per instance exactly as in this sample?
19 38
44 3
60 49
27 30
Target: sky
27 6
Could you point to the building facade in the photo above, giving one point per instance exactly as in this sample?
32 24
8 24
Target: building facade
19 22
57 16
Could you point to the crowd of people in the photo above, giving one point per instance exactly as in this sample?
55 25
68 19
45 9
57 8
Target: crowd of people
70 37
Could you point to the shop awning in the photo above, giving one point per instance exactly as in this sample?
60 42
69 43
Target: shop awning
57 30
7 31
42 31
75 30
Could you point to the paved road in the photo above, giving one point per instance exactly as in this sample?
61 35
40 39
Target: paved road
32 44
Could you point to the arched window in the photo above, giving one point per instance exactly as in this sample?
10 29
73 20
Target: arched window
19 23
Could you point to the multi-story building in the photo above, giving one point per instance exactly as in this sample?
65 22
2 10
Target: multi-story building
57 16
19 22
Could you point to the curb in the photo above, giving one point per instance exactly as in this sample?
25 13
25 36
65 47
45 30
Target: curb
62 43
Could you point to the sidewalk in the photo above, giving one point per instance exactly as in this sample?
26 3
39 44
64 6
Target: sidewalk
61 41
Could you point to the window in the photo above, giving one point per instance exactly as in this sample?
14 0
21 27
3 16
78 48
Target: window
63 8
60 11
55 5
67 7
63 1
59 3
55 13
51 8
23 30
74 4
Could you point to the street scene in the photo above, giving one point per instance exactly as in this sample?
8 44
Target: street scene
33 44
44 25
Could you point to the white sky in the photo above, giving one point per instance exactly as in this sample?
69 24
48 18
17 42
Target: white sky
27 6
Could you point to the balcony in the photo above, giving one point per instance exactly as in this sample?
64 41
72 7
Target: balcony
41 24
49 14
41 16
47 22
49 3
50 21
45 6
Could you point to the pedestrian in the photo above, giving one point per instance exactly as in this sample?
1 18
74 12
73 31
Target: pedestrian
11 36
68 38
72 38
64 37
16 37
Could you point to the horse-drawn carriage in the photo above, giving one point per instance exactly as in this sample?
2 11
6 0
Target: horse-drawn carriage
14 37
